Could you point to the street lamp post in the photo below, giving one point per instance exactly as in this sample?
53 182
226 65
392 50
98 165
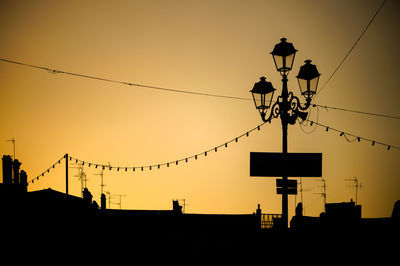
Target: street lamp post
287 106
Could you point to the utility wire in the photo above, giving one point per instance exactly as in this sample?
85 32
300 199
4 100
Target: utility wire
352 48
152 166
355 137
46 171
204 153
356 111
55 71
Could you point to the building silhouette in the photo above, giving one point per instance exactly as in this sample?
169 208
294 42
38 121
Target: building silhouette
61 218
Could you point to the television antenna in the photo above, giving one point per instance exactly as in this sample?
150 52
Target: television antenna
184 204
101 174
82 176
323 193
301 189
356 184
13 142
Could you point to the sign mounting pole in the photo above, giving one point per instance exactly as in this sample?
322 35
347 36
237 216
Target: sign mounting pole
284 119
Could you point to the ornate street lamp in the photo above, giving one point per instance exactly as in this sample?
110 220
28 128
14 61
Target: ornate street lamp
287 106
262 92
308 78
283 55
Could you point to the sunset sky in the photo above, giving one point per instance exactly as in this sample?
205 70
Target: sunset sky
215 47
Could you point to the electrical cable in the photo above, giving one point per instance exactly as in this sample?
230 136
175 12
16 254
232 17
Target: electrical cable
352 48
55 71
356 111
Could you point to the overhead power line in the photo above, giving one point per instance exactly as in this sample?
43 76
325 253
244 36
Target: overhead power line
55 71
356 111
352 48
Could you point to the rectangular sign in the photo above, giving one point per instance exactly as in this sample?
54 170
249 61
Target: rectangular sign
290 191
291 183
275 164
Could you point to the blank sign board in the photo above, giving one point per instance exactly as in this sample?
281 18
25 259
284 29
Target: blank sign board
276 164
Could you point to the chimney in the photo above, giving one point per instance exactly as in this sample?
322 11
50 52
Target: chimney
16 164
7 169
176 207
23 177
258 211
103 201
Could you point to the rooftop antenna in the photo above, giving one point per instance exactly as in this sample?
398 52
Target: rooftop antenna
120 200
82 176
109 199
356 185
101 174
184 204
13 142
323 193
301 194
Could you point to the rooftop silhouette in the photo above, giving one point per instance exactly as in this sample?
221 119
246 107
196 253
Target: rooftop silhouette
52 214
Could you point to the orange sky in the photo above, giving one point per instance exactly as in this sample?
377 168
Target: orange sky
218 47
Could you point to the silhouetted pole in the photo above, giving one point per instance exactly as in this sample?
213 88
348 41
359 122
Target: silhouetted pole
284 120
66 173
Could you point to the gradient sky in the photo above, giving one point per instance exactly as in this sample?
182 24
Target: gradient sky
218 47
